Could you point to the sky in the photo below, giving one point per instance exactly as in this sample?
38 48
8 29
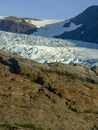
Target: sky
44 9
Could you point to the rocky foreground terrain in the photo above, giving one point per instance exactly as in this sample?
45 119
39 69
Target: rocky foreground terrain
54 96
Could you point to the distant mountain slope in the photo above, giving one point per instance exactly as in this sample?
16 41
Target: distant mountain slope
82 27
15 25
51 30
48 50
23 25
89 29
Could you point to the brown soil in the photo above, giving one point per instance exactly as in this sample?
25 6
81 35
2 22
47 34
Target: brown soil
55 96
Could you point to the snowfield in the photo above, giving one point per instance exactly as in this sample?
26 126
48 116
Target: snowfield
47 50
47 27
55 29
42 23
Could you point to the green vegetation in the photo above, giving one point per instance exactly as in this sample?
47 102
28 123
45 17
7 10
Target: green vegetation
31 126
74 109
90 111
8 126
15 126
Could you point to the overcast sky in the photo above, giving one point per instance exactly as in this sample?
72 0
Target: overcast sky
44 9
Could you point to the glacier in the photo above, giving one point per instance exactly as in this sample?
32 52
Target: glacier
46 50
55 29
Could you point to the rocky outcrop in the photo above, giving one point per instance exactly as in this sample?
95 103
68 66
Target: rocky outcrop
12 64
16 25
47 96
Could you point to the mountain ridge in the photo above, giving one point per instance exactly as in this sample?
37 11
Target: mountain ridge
88 31
81 27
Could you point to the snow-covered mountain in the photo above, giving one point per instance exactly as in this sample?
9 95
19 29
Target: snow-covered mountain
82 27
47 50
46 28
52 30
24 25
89 29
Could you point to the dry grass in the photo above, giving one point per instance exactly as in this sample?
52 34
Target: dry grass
49 95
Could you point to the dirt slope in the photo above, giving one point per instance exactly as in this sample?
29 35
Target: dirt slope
55 96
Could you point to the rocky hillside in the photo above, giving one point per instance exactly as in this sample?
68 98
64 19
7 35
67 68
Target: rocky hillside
16 25
23 25
88 31
54 96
